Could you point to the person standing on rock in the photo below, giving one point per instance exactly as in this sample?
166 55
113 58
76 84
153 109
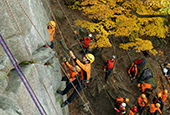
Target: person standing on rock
122 109
109 67
153 108
84 78
51 30
133 70
163 97
133 110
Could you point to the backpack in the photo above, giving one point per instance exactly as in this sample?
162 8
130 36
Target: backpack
139 61
146 74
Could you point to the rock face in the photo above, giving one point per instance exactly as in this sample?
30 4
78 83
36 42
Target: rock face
14 97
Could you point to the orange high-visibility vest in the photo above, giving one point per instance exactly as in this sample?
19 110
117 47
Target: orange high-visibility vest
145 86
164 96
141 101
72 74
153 108
51 32
131 112
120 100
136 69
85 71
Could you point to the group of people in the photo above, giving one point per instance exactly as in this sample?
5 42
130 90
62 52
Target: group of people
79 76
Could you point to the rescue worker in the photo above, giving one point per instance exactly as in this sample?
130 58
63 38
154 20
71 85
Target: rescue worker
133 71
122 109
153 108
157 98
84 79
145 86
121 100
163 97
142 101
85 42
109 67
51 30
133 110
73 72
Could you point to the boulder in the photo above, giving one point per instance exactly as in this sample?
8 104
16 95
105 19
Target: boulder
148 65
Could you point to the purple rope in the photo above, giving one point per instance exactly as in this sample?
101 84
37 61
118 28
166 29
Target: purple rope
12 61
23 74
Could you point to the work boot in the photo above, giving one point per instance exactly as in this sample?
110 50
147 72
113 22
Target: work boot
64 103
60 92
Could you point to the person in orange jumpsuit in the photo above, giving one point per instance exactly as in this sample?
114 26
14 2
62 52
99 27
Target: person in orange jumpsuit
163 97
142 100
51 30
84 78
145 86
133 70
153 108
133 110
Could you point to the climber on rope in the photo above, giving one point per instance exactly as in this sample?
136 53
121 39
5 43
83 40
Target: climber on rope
51 30
142 101
109 67
153 108
121 100
85 42
122 109
133 110
133 72
84 78
73 72
145 87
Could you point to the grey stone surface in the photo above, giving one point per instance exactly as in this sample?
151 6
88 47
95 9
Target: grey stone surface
9 31
23 98
3 81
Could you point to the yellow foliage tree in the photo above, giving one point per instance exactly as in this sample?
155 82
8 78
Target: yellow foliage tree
113 17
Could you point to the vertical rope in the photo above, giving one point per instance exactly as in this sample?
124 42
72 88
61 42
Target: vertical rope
12 61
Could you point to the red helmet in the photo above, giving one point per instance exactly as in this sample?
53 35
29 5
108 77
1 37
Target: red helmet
135 109
133 69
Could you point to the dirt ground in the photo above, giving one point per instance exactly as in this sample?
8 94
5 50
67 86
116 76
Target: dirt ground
101 96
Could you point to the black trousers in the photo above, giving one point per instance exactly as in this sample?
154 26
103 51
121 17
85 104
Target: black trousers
52 45
149 113
86 49
140 109
132 74
108 71
79 87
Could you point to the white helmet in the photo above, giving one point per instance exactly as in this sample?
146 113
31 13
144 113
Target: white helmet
165 71
114 57
90 35
123 104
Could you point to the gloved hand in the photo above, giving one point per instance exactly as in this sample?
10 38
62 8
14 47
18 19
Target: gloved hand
72 55
64 59
115 108
104 70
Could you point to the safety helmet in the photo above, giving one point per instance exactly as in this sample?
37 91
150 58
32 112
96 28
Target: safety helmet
114 57
168 64
90 57
138 84
158 105
52 24
135 109
127 100
78 68
143 95
165 91
75 32
165 70
90 35
159 94
123 104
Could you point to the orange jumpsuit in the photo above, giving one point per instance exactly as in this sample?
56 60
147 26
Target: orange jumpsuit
145 86
153 108
51 32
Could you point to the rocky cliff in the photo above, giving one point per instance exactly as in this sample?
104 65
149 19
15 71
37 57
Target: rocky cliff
14 98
